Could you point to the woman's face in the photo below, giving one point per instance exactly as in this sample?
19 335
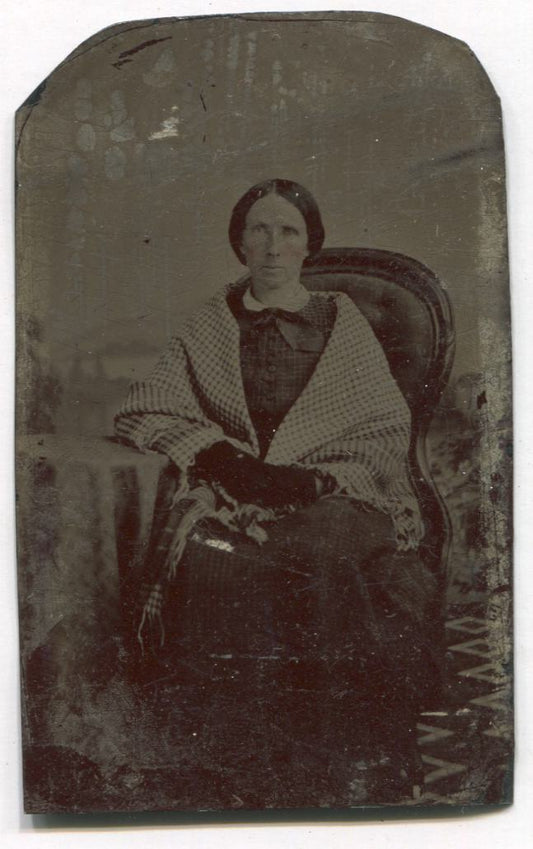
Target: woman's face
274 243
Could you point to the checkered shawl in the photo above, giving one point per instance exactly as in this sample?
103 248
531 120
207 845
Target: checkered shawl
351 420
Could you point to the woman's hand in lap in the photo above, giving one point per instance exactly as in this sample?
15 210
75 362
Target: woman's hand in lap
252 481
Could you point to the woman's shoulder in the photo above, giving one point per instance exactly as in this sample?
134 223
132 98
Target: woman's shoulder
350 318
321 310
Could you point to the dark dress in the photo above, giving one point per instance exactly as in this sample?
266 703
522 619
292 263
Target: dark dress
309 655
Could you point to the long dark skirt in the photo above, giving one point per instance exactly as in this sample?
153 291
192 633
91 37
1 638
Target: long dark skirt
311 653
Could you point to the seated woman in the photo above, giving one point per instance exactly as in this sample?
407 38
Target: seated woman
288 495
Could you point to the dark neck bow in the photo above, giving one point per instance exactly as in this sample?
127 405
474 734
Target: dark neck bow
272 315
295 327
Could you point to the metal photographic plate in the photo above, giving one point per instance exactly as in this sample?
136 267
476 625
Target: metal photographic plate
264 420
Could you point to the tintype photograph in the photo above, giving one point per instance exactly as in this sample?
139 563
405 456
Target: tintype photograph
263 423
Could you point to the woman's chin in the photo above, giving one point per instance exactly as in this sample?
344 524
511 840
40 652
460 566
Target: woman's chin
273 279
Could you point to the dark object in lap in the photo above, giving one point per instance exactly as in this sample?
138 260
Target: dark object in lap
325 604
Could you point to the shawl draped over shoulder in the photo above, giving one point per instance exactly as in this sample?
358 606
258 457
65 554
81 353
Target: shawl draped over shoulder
351 420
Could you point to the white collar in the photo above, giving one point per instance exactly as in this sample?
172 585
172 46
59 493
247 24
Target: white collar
294 301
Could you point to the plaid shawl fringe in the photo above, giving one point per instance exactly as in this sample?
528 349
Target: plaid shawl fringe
211 501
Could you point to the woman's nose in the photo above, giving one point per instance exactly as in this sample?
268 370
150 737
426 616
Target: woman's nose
273 243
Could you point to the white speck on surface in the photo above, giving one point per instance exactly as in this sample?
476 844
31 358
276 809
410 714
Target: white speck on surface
221 544
169 127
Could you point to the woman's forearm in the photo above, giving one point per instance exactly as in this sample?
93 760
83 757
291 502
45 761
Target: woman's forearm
250 480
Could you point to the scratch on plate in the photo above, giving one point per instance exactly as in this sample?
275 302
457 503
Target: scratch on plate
122 56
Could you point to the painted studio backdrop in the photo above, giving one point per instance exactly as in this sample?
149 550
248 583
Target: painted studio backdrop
130 157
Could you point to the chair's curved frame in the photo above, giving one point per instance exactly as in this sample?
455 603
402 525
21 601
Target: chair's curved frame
420 281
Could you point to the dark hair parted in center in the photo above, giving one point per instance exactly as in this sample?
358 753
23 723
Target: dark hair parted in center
299 196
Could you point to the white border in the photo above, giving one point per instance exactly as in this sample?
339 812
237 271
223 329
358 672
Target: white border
38 34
